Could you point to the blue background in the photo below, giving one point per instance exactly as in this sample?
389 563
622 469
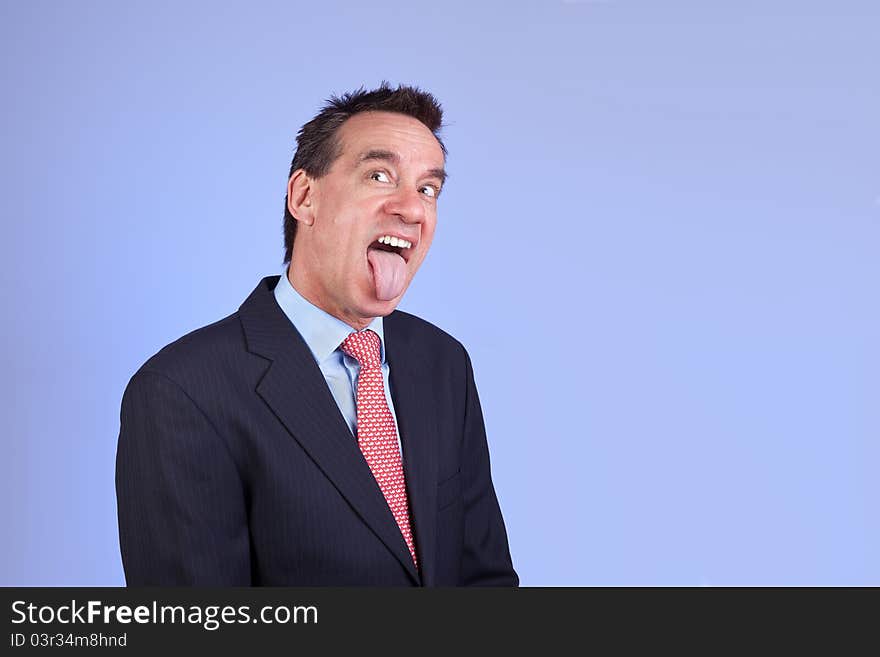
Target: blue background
659 243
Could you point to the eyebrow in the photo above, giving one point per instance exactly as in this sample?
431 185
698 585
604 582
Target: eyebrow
389 156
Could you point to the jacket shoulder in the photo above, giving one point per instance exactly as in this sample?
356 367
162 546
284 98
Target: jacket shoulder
200 350
420 330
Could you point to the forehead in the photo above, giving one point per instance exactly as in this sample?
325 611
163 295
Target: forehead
407 137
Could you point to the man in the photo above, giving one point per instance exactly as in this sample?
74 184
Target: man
318 436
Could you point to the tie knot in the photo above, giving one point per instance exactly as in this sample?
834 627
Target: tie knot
363 346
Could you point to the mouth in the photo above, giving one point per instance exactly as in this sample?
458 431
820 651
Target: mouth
394 244
388 259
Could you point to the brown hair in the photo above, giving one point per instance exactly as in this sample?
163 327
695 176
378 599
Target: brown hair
317 145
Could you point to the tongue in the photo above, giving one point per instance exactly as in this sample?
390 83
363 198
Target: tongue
389 273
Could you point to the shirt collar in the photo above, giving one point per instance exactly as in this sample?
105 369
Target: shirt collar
322 331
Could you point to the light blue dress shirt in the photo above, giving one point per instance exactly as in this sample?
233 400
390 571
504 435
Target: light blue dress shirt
323 334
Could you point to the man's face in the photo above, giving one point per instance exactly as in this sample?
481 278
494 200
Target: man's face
384 183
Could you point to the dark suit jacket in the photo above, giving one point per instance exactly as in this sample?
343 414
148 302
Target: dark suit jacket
235 466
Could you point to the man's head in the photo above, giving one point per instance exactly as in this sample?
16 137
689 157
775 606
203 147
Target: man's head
368 165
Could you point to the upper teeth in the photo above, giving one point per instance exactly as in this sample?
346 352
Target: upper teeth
395 241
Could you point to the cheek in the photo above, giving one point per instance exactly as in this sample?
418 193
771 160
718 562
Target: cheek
428 233
424 247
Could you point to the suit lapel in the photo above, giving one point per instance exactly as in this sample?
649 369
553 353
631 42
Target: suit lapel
417 424
293 388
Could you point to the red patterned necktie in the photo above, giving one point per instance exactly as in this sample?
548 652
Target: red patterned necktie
376 433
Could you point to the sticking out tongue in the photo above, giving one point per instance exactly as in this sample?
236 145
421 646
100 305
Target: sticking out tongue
389 273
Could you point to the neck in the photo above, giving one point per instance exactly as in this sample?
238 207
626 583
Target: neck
299 284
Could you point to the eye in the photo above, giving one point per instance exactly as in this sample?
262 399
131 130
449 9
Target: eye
380 176
430 191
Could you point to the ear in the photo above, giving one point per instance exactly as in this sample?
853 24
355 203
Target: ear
300 191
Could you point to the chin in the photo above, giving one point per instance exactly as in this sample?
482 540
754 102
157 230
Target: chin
379 308
371 306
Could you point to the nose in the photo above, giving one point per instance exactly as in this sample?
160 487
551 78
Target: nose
408 205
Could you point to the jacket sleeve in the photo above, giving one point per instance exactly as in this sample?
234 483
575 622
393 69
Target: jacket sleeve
486 556
180 499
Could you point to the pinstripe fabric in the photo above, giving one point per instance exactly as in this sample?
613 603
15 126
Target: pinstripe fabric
234 466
